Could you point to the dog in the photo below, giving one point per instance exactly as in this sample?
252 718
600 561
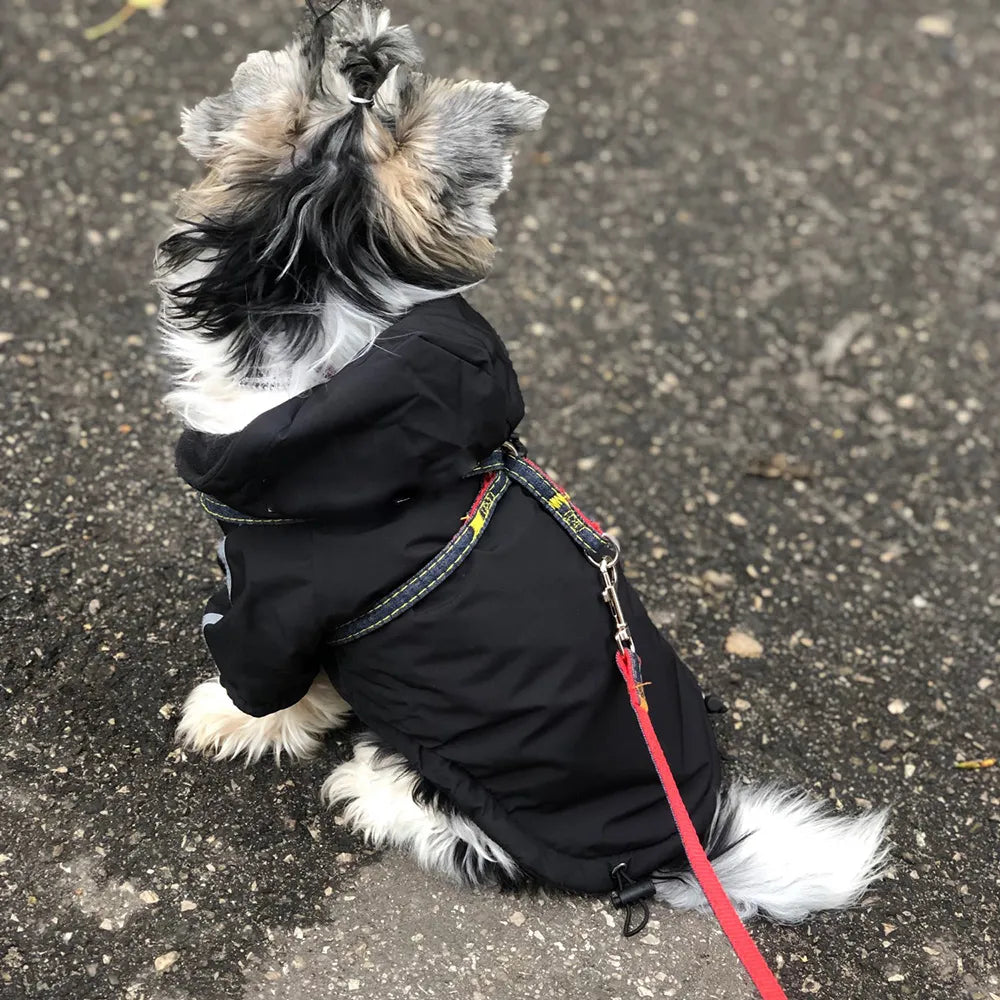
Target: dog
343 407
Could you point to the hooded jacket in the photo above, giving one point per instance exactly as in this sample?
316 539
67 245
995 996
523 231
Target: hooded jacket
499 687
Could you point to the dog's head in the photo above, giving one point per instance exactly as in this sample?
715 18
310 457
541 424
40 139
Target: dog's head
334 166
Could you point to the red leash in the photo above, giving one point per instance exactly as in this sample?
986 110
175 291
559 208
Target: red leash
729 920
630 666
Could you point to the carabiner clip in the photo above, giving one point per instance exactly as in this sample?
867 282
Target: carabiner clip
609 574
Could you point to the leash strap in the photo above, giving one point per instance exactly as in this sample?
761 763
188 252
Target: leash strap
729 920
630 667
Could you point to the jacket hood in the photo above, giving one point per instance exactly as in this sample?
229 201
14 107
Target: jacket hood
434 395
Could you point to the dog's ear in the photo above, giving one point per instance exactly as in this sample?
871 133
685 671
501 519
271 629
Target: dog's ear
460 136
259 114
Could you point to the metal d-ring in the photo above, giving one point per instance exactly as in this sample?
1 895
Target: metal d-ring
604 564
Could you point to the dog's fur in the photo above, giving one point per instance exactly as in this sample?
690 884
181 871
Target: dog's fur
319 221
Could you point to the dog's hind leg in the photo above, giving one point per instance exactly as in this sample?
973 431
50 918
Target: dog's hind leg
384 799
211 723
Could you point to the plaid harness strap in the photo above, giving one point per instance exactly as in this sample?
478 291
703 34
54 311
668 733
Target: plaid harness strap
503 466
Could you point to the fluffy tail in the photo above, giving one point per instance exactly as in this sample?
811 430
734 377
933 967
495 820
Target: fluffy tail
784 855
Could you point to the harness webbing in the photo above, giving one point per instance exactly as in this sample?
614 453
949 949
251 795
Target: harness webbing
502 467
498 471
495 484
222 512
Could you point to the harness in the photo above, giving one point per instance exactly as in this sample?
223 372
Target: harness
506 465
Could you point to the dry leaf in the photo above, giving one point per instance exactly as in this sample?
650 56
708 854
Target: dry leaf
116 20
976 765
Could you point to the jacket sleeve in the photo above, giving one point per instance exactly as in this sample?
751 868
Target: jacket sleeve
263 628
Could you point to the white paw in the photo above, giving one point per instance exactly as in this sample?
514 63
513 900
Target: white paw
212 724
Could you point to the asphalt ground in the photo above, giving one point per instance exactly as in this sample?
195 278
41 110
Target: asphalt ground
750 282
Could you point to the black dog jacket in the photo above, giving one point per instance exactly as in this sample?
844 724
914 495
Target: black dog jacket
499 686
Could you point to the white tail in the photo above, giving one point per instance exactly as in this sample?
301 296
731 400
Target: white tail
785 855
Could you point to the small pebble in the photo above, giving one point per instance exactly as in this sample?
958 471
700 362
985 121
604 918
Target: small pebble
742 644
936 26
721 581
163 962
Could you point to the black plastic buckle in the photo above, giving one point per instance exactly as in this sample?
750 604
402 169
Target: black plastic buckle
714 705
631 895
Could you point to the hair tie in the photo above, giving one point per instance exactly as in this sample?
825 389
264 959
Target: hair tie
354 99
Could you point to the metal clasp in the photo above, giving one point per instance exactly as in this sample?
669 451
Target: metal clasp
609 574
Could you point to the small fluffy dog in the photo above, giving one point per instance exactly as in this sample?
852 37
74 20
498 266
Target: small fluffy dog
342 404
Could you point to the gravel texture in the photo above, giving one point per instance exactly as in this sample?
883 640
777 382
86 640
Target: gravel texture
750 281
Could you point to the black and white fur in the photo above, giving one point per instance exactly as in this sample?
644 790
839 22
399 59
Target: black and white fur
342 188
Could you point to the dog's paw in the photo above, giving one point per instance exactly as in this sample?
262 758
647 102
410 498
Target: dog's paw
212 724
